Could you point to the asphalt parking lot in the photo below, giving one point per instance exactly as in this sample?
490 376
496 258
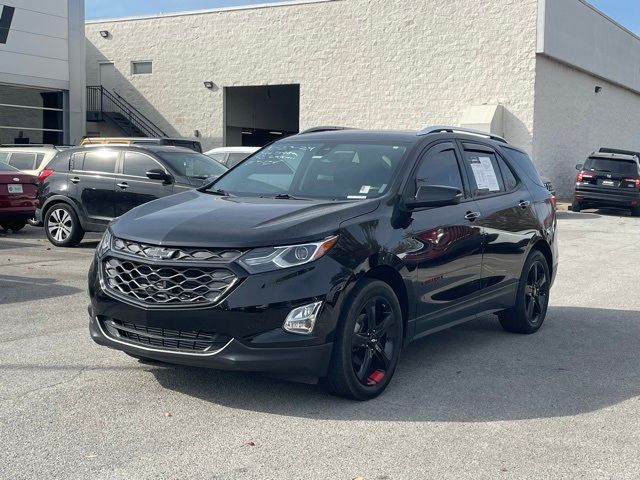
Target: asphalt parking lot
472 402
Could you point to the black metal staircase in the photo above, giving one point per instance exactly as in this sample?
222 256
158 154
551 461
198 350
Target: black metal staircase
105 105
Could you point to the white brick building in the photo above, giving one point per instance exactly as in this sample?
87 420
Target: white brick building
556 77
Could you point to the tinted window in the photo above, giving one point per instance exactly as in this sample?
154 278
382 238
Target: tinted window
621 167
99 161
439 167
137 164
523 162
192 164
236 158
23 161
218 157
39 159
484 173
510 181
317 169
4 157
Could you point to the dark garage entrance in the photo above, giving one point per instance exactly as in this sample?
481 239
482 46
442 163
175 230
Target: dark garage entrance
255 116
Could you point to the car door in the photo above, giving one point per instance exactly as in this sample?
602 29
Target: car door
132 184
92 183
508 222
448 244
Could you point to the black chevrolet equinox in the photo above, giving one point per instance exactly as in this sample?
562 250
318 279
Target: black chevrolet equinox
323 254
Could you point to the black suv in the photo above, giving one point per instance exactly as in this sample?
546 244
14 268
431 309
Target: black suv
84 188
325 253
609 178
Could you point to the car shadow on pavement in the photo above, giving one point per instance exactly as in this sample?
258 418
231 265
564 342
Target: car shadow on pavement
17 289
582 360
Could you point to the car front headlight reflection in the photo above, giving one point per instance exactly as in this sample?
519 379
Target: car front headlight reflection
274 258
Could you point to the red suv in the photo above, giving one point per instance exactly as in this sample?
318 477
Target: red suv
18 197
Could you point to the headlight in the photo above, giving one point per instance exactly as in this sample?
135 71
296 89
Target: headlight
105 244
274 258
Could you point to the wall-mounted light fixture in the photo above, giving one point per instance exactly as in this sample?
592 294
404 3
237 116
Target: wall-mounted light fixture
104 33
598 89
209 84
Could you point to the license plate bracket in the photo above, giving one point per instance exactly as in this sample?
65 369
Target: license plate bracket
15 188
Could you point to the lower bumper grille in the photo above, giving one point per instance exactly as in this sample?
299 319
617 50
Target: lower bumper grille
163 338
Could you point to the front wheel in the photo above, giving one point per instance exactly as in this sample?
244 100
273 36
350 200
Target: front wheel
532 300
368 343
62 226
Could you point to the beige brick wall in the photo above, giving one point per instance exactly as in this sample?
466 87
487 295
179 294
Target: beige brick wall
398 64
571 120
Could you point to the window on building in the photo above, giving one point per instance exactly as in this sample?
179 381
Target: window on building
31 115
141 68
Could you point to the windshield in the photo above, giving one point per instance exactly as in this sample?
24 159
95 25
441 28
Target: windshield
192 164
622 167
324 170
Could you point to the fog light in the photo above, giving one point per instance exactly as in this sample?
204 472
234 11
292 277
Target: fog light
302 319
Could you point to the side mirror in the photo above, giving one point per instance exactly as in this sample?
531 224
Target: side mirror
579 166
434 196
159 174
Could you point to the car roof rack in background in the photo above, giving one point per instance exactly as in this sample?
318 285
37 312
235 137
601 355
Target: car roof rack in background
618 151
324 129
453 129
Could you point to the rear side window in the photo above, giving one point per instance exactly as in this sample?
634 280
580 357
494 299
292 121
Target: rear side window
523 163
23 161
4 157
60 163
609 165
510 181
138 164
99 161
484 173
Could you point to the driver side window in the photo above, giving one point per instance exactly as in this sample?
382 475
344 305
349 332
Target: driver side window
439 166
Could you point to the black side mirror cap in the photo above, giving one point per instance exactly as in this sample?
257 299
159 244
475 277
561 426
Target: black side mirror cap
158 174
579 166
434 196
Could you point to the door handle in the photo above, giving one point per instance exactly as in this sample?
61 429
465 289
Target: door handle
75 180
471 216
123 185
524 204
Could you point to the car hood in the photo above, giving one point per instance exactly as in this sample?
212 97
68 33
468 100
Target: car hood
194 218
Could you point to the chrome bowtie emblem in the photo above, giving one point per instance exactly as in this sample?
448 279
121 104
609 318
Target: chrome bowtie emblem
158 253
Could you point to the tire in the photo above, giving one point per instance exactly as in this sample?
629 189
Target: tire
575 206
635 211
62 226
530 310
365 357
14 225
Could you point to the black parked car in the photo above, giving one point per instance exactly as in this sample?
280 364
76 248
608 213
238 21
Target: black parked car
325 253
86 187
609 178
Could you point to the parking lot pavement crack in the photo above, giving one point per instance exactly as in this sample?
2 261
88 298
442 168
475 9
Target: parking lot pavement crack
45 387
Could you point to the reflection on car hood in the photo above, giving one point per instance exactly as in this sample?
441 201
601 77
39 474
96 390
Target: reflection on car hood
194 218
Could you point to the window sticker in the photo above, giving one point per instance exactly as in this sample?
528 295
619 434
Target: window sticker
365 189
356 197
484 174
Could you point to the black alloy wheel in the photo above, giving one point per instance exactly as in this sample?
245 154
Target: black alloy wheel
532 299
373 341
368 341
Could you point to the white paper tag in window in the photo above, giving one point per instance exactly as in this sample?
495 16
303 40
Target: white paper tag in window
485 175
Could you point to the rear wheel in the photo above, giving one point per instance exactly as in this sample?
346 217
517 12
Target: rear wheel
368 342
575 206
62 226
635 211
532 300
15 225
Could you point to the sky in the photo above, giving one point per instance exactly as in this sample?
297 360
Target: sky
626 12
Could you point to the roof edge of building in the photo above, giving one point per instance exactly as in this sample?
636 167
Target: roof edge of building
256 6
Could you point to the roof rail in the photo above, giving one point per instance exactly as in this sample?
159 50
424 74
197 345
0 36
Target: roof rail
324 129
618 151
453 129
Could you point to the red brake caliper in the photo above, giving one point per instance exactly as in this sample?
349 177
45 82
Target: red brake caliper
376 377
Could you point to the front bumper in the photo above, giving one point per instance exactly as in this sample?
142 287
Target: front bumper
251 315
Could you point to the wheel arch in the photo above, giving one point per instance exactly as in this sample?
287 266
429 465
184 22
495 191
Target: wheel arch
392 277
542 246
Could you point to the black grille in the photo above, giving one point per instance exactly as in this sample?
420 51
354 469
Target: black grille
164 285
163 338
179 254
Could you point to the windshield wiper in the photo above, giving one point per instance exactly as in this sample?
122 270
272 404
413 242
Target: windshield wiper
219 191
286 196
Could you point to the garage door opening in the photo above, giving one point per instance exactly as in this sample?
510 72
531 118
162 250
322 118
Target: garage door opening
255 116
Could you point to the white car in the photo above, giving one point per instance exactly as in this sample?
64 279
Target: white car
32 160
231 156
